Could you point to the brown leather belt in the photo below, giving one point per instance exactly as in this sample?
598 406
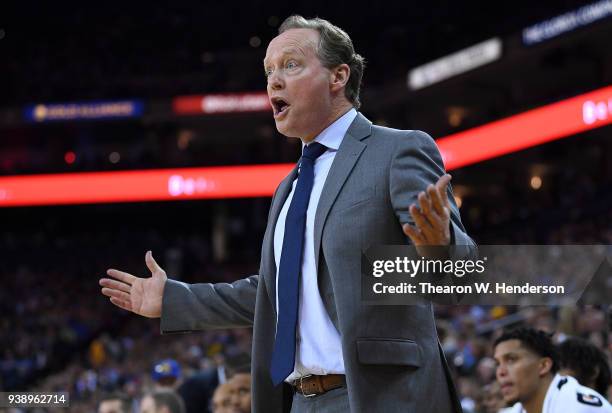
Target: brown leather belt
313 385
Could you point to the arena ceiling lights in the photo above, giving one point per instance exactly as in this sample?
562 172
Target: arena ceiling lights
455 64
567 22
535 127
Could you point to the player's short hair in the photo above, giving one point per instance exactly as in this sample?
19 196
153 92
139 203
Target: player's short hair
536 341
587 361
335 48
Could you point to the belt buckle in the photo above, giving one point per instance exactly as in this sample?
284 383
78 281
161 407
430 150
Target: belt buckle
302 386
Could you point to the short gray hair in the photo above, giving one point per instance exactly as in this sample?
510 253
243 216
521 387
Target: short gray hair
335 48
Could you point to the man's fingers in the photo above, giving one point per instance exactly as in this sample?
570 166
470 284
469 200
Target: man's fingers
442 187
109 292
434 220
421 222
436 201
434 215
430 220
151 263
117 285
126 305
424 203
414 234
122 276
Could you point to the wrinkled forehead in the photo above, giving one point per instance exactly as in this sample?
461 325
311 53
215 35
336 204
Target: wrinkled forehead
299 41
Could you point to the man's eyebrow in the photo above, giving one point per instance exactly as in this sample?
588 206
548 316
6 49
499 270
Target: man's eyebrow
509 354
284 52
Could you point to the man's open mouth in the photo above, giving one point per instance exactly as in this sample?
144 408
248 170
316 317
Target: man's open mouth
279 105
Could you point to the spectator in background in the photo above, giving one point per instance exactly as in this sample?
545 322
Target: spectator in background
492 399
240 392
167 374
162 401
197 390
527 365
221 401
586 363
115 403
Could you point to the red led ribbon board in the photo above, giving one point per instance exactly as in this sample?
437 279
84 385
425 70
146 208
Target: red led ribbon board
135 186
535 127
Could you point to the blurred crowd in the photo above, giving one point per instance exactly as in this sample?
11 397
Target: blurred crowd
57 333
137 361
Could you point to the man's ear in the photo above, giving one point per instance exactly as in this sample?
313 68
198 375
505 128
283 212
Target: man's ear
339 77
593 377
545 366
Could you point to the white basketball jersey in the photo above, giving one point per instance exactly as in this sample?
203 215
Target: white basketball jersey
566 395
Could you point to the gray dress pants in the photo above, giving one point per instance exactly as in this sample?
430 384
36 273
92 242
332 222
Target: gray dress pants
333 401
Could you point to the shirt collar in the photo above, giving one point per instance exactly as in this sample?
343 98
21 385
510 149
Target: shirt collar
332 136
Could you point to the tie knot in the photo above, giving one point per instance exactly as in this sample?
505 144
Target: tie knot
313 150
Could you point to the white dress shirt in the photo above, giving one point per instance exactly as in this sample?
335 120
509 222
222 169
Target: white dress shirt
318 347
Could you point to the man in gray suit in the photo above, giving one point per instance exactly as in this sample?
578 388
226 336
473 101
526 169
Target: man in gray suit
316 345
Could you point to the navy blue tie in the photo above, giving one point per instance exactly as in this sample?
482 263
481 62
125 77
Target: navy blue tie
283 358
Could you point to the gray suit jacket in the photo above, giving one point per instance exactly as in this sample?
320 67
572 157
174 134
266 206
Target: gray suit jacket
392 356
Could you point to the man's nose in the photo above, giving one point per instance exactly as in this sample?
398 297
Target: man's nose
275 82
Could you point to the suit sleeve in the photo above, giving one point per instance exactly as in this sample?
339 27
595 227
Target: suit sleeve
191 307
416 164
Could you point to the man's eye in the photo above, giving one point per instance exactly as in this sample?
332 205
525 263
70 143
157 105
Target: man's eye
290 65
268 72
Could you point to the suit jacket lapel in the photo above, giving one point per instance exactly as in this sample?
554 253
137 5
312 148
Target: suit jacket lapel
277 204
348 153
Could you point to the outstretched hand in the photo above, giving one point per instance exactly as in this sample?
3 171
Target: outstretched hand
432 216
142 296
